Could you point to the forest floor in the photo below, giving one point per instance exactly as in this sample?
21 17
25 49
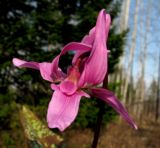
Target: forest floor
118 135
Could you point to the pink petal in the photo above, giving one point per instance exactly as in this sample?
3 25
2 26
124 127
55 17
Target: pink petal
57 73
82 93
110 99
63 109
54 86
45 68
68 87
96 65
51 71
46 71
20 63
89 39
73 46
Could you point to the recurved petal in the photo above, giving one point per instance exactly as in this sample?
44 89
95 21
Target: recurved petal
56 71
89 39
73 46
46 71
96 65
63 109
111 100
21 63
45 68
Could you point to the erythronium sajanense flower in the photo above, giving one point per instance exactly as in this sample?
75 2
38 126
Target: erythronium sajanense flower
89 67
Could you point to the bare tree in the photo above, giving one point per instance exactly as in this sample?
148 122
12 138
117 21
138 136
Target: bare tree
144 51
158 92
132 49
124 18
124 15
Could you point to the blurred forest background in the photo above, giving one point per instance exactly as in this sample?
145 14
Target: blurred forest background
37 30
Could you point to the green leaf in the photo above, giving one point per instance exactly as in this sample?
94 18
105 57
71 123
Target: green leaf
36 131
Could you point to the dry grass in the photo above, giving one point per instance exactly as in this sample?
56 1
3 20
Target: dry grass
122 136
118 135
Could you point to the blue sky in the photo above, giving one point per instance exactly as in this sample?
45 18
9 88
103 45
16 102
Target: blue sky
151 68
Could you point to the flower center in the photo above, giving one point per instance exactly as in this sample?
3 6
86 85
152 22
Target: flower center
69 85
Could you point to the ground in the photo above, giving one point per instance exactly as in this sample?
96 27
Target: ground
118 135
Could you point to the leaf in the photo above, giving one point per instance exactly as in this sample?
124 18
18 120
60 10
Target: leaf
37 132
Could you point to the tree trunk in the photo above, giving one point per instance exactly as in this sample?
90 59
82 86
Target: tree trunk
158 93
143 58
132 48
124 15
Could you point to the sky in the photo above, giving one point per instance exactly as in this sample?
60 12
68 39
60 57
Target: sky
153 44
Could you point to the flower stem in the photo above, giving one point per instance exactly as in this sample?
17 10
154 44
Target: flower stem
101 106
98 124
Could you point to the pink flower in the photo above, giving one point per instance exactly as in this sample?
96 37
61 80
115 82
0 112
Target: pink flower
88 69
